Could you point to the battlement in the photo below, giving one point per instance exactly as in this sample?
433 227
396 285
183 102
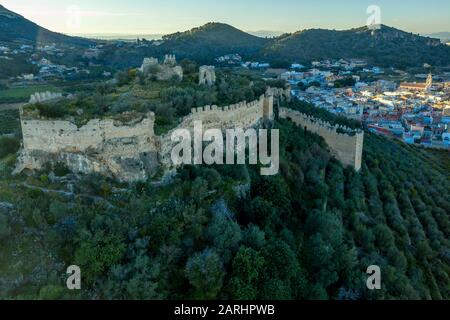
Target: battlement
128 151
232 107
44 96
345 143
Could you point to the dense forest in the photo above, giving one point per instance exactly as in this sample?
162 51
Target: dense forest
226 232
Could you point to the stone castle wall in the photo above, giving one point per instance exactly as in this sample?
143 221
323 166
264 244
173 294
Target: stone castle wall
347 148
241 115
130 151
124 150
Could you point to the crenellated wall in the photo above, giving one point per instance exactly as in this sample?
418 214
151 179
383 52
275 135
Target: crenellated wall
130 151
127 151
346 147
243 114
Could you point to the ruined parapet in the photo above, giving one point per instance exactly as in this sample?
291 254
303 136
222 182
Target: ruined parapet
207 75
346 144
126 151
39 97
147 64
170 59
280 93
162 72
242 114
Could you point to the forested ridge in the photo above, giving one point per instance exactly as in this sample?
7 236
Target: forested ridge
226 232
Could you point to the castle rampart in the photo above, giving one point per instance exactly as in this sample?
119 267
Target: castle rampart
128 151
125 150
346 144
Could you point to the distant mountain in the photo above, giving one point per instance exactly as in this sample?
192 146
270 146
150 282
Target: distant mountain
118 36
266 33
386 46
213 40
444 36
15 27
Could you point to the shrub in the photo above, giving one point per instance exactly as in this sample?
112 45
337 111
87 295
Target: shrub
8 146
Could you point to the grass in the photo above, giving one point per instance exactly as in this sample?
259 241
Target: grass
22 94
9 121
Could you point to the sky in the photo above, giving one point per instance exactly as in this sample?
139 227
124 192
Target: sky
163 16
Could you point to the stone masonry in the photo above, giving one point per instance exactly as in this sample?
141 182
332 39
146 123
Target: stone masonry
207 75
346 147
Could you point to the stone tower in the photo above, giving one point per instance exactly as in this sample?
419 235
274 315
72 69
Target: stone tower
268 107
147 64
207 75
429 82
170 59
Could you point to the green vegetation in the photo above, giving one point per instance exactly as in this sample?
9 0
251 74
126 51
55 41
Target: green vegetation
18 65
308 233
385 47
9 121
22 94
213 40
136 93
311 110
8 146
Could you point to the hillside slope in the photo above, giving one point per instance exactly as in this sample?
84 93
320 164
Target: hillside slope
213 40
308 233
15 27
387 46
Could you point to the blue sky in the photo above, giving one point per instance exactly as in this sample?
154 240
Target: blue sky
163 16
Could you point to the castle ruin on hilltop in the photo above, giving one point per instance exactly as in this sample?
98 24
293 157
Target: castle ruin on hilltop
130 151
162 71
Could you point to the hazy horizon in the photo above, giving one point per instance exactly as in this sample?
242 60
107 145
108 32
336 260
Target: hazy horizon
139 17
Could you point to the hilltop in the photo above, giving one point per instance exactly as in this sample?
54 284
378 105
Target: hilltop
386 46
212 40
15 27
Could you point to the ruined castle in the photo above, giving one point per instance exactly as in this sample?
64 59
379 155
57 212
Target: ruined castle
127 151
44 96
130 151
207 75
162 71
345 144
